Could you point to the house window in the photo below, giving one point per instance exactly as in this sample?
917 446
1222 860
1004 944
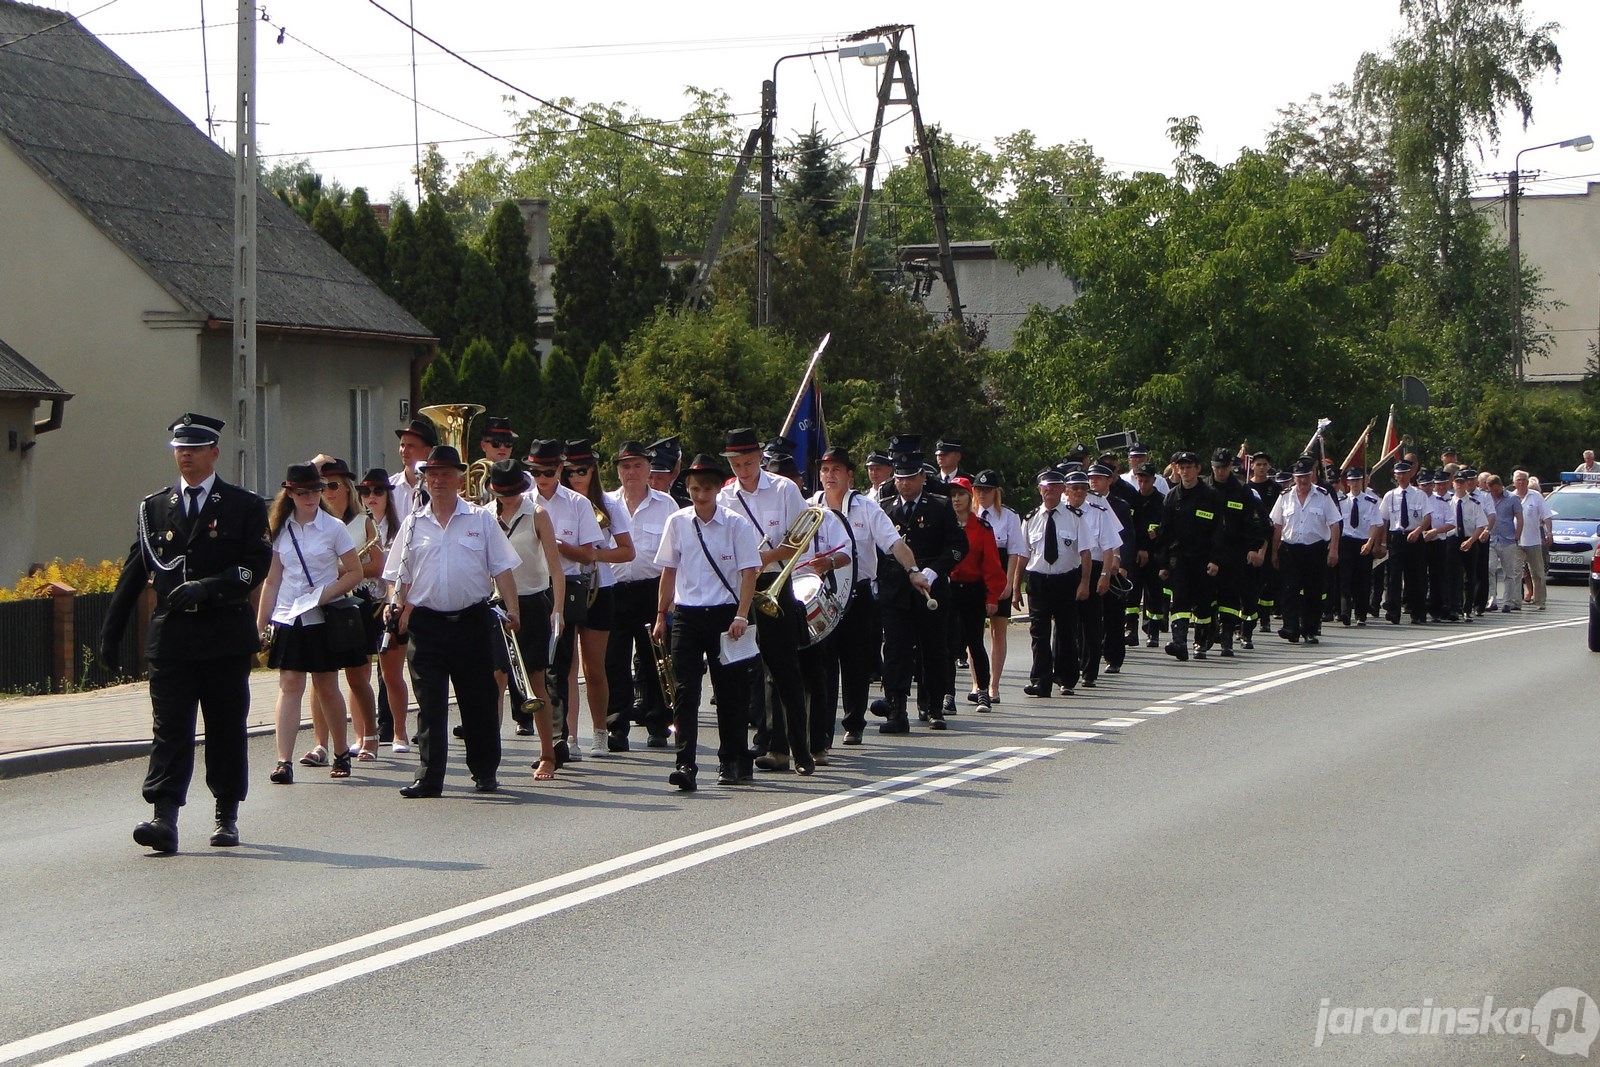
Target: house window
360 430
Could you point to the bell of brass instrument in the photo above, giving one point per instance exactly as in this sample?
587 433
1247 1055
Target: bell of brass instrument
797 536
519 670
452 421
666 677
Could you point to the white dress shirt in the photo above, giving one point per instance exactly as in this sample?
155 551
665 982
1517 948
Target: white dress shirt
452 567
772 507
1071 536
1308 521
572 515
322 541
872 529
731 541
645 525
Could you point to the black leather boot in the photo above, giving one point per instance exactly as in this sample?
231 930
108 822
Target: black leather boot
896 721
161 832
1178 647
226 834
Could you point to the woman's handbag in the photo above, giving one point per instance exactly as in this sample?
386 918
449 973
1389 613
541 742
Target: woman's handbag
347 632
575 609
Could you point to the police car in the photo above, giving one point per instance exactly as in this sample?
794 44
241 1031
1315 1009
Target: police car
1575 511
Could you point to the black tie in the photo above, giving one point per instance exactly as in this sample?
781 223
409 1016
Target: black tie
1052 550
1405 516
193 511
1355 512
1459 523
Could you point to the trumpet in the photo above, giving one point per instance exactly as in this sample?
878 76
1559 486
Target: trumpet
797 536
519 671
666 677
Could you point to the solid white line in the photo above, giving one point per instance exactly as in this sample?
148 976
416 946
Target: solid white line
135 1012
1118 724
1009 758
1073 735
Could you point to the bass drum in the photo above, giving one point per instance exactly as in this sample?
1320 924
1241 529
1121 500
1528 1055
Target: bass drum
823 608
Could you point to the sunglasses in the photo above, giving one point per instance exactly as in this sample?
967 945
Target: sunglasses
543 472
579 470
367 490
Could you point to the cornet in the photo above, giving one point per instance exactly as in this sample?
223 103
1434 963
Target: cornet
519 671
666 677
797 536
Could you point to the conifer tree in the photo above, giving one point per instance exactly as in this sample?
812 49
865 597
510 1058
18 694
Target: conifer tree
562 413
585 284
329 226
517 397
435 285
365 245
505 243
479 301
439 385
401 254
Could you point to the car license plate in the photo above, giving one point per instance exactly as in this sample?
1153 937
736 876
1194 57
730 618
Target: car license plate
1571 559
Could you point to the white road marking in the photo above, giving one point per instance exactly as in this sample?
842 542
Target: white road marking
1118 724
865 798
1073 735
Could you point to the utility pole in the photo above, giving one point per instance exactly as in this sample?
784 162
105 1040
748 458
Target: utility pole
1514 252
244 254
769 116
719 229
898 72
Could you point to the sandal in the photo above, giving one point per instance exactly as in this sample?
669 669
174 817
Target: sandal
283 773
341 767
317 757
365 753
544 770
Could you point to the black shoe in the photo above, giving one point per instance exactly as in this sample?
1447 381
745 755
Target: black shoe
1178 652
226 832
486 785
922 716
282 774
895 726
1344 620
807 768
851 738
727 774
1289 636
1227 652
1152 642
683 778
936 722
984 703
1311 639
950 704
563 753
1247 643
1361 622
1036 690
1131 640
421 790
657 741
880 708
161 832
972 697
386 735
1113 668
772 761
1088 683
455 731
616 742
1418 620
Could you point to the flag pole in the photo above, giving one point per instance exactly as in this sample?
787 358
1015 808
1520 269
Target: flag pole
811 368
1360 445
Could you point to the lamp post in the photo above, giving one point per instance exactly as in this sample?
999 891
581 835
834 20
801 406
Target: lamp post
1514 187
870 53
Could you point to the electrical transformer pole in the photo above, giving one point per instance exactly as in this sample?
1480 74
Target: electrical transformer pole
244 256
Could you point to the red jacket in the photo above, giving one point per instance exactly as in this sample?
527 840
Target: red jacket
982 561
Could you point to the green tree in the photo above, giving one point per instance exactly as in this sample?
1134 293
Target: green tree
521 386
439 385
480 302
505 243
971 181
600 376
642 279
586 285
326 220
819 192
432 293
562 413
478 377
401 255
365 244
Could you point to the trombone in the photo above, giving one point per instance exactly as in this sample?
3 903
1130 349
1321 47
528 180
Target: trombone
797 536
519 671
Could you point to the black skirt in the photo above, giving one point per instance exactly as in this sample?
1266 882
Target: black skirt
305 648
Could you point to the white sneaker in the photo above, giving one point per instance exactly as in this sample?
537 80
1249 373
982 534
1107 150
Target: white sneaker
574 750
597 745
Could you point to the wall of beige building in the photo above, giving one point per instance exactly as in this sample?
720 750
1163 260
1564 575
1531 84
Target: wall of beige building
74 305
1560 235
17 489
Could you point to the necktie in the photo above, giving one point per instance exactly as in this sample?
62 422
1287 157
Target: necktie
1052 549
1355 515
192 512
1459 523
1405 516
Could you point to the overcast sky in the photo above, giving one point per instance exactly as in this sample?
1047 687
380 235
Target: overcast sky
1107 73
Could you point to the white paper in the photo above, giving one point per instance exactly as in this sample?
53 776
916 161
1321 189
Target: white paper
304 603
740 650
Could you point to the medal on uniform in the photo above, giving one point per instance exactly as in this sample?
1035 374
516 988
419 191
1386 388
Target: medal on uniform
169 535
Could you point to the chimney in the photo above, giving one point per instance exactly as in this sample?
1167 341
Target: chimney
381 212
536 224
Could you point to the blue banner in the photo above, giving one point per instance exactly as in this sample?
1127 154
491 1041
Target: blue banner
809 434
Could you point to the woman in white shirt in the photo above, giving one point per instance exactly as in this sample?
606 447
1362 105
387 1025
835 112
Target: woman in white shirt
313 561
1007 527
339 497
579 474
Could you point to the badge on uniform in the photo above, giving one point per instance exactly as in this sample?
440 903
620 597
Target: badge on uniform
169 535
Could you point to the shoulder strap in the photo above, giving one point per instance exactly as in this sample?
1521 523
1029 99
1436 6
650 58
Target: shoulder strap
712 560
289 525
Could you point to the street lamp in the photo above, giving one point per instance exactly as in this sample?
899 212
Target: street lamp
869 53
1514 187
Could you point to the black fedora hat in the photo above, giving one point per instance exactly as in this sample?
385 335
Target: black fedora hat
579 453
303 476
509 474
420 428
838 454
443 456
498 426
740 442
336 466
376 478
545 453
705 465
631 450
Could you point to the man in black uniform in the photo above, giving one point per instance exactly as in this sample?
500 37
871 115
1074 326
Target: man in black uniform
1191 546
1260 583
202 544
913 636
1148 590
1246 537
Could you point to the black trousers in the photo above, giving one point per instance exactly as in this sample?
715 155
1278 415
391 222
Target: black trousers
635 692
1480 568
1355 579
1406 583
914 645
1091 634
859 641
819 673
969 620
1052 623
1455 603
1433 558
1304 569
181 691
1113 645
780 655
451 650
696 647
1473 577
1191 590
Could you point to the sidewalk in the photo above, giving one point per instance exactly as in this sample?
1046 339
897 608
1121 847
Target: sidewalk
52 733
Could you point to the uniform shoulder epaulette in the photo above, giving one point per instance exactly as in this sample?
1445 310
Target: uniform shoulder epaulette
163 491
985 523
1320 489
1097 506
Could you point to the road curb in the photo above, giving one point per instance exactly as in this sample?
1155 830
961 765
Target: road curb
72 757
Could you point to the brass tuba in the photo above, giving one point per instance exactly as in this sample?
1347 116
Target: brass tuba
452 422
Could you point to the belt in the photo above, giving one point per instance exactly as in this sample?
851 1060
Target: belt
681 608
450 616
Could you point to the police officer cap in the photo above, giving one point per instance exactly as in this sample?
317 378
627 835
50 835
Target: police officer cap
420 428
1136 449
1304 465
1449 450
1067 466
1099 470
781 463
1079 452
1441 477
1184 457
1051 476
1107 458
929 469
1260 455
1282 477
908 464
1145 470
946 445
1077 478
1222 458
901 444
1402 466
664 454
1355 472
1466 474
195 431
779 446
879 459
987 479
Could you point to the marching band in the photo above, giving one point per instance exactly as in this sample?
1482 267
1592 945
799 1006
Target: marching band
516 574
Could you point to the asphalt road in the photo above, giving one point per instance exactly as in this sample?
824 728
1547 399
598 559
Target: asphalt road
1193 865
